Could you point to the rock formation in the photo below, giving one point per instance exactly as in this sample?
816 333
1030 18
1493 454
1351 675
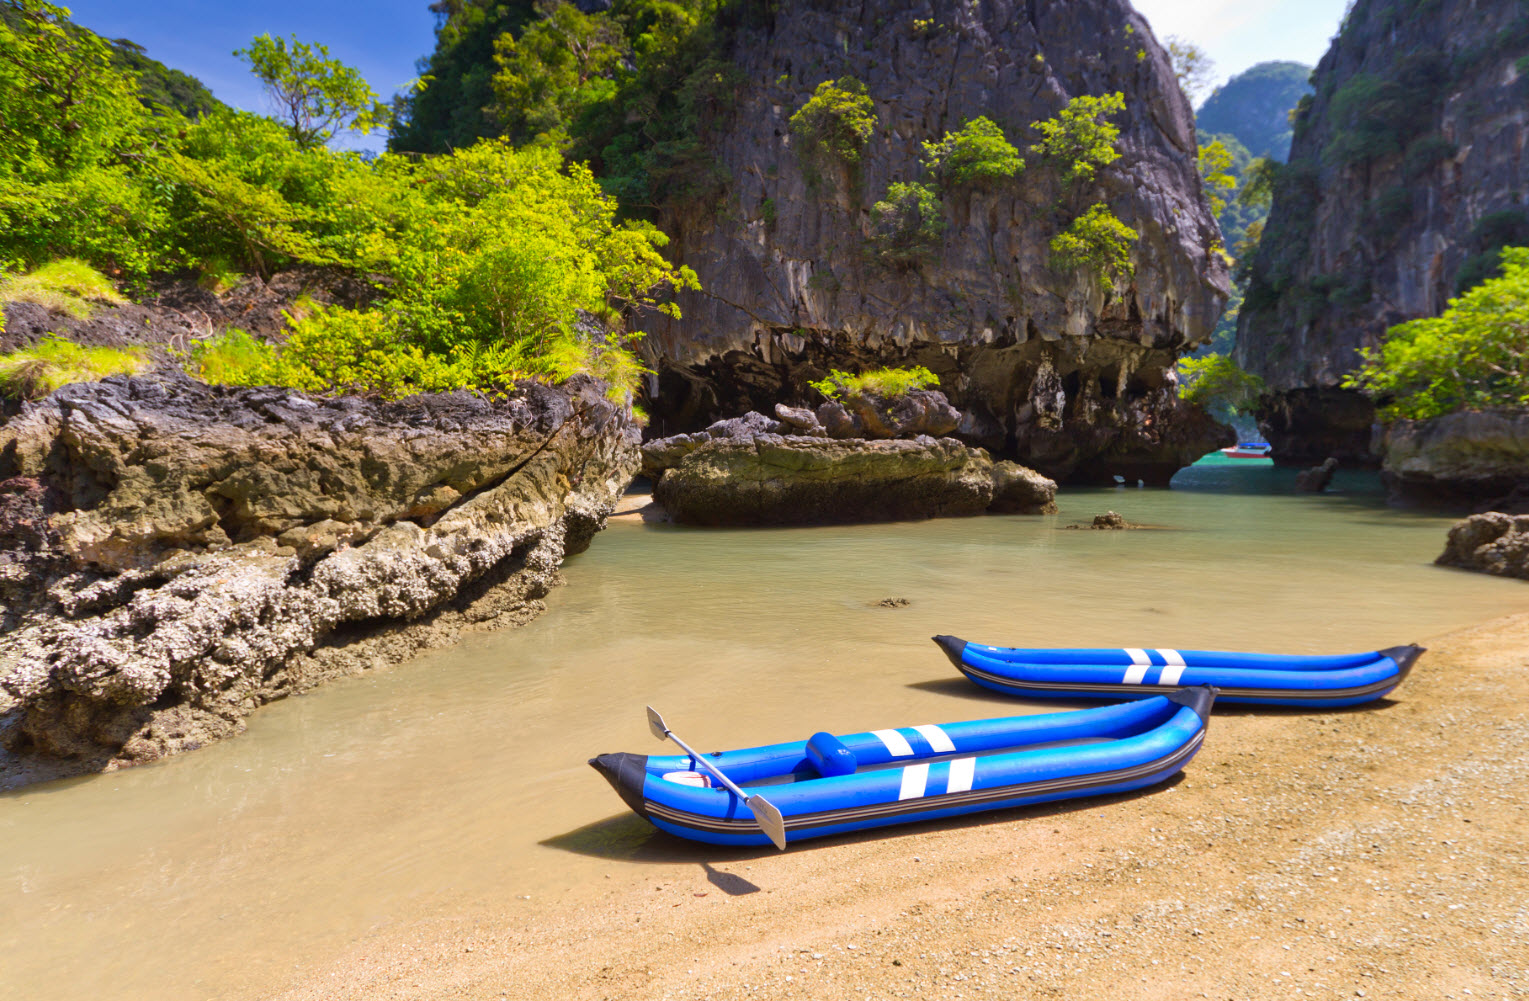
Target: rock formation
1406 172
1053 367
175 556
1464 458
1318 478
752 470
1493 543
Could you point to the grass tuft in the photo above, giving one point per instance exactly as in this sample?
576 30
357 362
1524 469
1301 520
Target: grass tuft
32 373
65 286
885 382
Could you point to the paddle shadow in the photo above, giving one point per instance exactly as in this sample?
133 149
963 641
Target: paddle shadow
628 838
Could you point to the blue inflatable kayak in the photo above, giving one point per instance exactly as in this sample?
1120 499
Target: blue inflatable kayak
835 784
1259 678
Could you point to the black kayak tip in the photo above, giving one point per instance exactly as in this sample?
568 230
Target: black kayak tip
1200 698
1405 657
954 647
625 772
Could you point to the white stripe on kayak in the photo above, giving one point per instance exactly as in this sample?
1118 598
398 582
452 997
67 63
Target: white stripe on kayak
937 738
896 743
915 777
961 771
1138 669
1175 668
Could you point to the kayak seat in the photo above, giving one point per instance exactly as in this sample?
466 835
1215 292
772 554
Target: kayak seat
829 755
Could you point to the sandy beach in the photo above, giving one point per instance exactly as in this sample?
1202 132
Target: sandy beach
1373 852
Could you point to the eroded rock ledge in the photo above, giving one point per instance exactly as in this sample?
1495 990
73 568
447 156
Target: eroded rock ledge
753 470
173 556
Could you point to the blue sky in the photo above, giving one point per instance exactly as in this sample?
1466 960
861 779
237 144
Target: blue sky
383 38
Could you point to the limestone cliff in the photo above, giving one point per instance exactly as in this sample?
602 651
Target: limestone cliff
1054 367
174 556
1406 172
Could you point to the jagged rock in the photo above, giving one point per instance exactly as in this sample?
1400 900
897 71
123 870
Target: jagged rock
1055 368
800 420
908 415
1377 216
893 603
1109 520
1493 543
179 555
1018 490
838 421
1458 459
1317 478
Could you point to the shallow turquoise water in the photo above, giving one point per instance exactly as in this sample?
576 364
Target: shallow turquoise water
458 778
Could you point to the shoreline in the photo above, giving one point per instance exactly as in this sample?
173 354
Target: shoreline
1373 851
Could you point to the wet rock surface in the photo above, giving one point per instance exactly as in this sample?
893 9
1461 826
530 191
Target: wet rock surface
1494 543
175 555
1318 478
1461 460
1053 368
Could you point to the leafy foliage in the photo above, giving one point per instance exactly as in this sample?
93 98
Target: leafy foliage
1097 241
32 373
884 382
1079 140
316 95
906 225
1194 69
1216 165
1376 116
1218 384
978 152
560 65
836 121
1475 355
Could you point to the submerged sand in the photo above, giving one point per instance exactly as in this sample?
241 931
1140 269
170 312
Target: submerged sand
1375 852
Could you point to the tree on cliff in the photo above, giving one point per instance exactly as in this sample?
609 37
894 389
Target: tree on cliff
315 94
1474 356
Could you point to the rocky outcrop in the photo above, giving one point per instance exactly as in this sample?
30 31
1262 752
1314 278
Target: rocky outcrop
1310 424
1493 543
1407 167
1317 479
772 479
1055 368
176 556
1461 459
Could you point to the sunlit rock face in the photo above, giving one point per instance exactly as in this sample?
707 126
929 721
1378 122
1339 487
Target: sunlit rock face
1053 368
1407 165
173 556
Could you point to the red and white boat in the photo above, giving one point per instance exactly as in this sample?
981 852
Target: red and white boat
1248 450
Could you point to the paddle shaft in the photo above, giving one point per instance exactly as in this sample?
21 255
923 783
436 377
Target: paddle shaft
766 815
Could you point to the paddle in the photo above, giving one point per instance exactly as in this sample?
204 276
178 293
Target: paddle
765 814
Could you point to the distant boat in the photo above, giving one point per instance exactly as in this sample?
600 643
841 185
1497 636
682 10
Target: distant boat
1259 678
1248 450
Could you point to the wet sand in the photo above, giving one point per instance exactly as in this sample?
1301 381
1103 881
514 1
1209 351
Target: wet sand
1375 852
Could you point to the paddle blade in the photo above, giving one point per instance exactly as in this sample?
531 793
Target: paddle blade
769 819
656 724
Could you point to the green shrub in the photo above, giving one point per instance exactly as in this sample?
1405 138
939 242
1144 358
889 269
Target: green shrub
1216 174
1096 240
1218 384
66 286
1079 140
836 121
32 373
977 153
885 382
1475 355
906 225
